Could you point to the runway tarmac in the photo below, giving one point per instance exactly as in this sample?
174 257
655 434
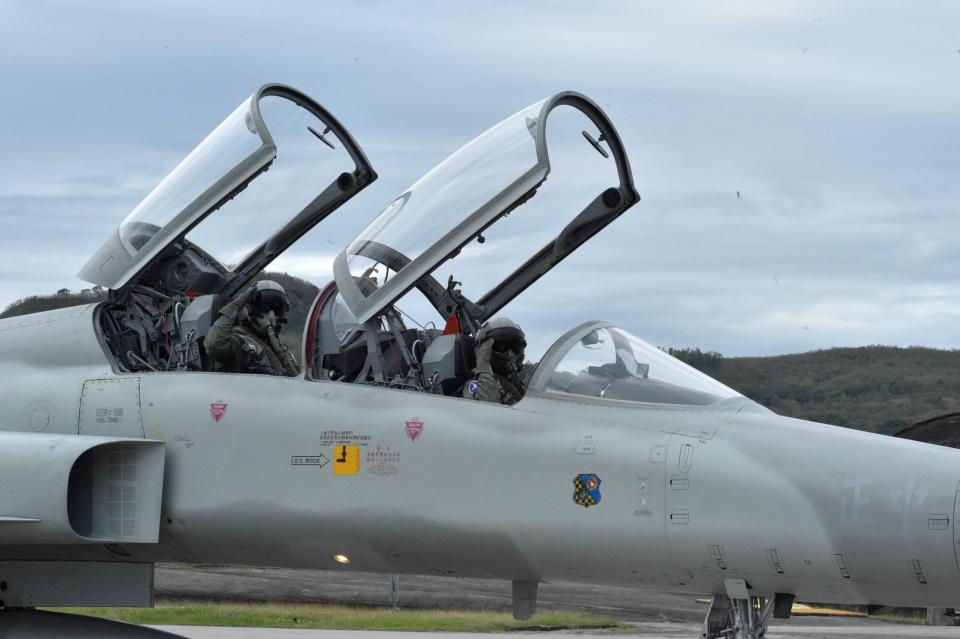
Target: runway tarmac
652 614
650 630
358 588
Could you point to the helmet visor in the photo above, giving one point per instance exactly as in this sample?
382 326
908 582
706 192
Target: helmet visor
271 300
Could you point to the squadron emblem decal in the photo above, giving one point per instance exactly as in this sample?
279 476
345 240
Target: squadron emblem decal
586 490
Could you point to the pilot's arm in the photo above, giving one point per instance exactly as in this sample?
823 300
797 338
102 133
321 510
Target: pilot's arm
221 343
484 385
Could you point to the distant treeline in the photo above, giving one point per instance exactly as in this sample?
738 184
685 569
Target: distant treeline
877 388
63 298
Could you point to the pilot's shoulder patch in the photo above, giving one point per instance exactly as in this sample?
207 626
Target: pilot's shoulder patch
472 387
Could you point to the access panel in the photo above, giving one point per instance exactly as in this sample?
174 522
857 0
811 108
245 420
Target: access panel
111 407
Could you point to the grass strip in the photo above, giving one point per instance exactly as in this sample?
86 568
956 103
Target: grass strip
339 617
916 620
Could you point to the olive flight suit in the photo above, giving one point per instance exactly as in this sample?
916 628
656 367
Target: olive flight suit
487 385
236 348
490 387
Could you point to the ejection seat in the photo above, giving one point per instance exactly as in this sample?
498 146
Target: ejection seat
448 362
348 363
337 348
195 323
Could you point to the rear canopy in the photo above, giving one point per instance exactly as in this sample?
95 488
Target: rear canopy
219 200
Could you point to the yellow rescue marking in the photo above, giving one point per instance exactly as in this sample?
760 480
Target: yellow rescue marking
346 460
803 610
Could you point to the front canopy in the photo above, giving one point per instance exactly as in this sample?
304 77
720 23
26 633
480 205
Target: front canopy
425 237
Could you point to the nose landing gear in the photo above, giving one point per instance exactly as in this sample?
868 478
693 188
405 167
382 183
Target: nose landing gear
740 615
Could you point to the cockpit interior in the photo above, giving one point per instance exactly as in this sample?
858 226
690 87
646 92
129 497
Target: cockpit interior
411 291
463 242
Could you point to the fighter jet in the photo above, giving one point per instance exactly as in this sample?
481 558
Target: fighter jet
121 445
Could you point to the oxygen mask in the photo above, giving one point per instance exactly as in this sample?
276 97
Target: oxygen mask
267 322
507 358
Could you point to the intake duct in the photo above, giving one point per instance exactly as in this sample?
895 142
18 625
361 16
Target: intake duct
69 489
37 624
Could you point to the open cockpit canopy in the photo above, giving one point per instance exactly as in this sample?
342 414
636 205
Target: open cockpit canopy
496 215
469 236
274 169
219 217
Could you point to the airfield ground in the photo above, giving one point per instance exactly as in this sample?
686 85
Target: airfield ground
355 588
650 614
647 631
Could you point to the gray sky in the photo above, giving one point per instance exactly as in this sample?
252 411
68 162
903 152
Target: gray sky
837 122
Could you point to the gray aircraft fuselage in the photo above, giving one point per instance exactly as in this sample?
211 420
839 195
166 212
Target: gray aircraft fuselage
689 496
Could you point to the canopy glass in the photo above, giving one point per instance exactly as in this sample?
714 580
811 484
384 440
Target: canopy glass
602 361
227 205
442 225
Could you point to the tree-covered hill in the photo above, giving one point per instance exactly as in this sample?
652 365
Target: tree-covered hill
876 388
62 299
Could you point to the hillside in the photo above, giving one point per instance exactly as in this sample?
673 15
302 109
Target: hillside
62 299
876 388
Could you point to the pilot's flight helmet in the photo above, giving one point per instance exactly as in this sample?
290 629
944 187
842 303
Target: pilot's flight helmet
509 344
502 331
270 296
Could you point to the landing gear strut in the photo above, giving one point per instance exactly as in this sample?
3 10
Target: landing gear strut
738 614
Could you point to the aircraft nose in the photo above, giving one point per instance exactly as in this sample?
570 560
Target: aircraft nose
870 512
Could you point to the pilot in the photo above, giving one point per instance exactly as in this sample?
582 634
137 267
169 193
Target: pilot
244 337
496 377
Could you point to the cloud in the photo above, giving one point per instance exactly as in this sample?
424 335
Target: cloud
836 123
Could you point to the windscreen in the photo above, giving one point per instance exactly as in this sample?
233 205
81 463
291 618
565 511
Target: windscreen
610 363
